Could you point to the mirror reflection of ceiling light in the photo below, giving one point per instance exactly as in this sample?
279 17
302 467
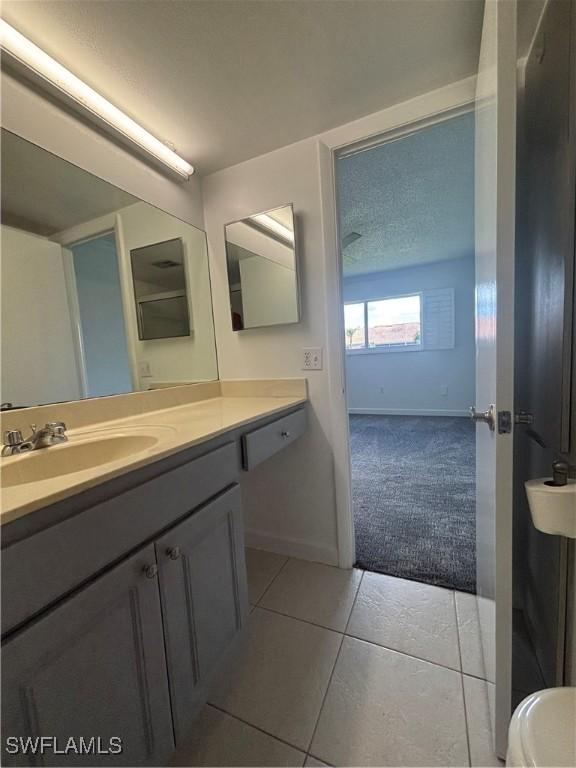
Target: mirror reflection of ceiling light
268 222
44 66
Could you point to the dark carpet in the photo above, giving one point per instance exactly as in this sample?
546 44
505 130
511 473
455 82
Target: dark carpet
413 489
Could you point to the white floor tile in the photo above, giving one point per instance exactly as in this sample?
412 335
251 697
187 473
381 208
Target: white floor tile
313 592
278 679
479 698
407 616
222 740
469 631
262 567
311 761
387 709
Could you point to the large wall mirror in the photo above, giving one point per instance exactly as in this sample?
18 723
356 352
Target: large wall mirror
262 269
102 293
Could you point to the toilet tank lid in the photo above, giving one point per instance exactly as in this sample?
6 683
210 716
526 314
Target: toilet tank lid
544 724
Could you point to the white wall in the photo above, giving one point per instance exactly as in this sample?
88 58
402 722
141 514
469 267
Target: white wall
38 356
413 381
289 500
269 292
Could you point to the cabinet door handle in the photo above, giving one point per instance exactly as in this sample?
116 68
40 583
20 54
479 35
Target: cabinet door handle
173 553
151 571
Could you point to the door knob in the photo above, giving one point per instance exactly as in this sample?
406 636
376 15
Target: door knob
151 571
489 416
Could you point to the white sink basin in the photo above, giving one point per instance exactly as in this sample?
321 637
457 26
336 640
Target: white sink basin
82 452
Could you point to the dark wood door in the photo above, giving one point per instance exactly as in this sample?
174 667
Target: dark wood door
544 353
546 204
204 600
94 666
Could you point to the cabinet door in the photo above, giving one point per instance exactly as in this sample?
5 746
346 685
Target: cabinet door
204 599
94 666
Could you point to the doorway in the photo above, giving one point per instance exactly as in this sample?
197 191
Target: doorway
99 317
492 95
406 223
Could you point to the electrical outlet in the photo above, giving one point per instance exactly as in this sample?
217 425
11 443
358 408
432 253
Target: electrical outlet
144 368
382 390
444 390
312 359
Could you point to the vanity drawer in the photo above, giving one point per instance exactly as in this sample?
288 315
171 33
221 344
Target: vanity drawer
40 569
259 445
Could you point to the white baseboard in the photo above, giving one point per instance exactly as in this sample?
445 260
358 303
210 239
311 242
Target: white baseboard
405 412
303 550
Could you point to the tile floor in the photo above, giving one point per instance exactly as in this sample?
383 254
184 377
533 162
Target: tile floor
348 668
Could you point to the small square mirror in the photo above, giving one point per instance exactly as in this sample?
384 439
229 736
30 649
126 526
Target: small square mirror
262 269
160 291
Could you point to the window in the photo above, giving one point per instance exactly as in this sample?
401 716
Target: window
355 325
393 323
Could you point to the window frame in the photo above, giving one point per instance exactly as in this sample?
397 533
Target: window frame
385 349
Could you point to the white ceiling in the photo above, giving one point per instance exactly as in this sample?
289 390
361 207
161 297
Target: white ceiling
227 80
411 200
43 194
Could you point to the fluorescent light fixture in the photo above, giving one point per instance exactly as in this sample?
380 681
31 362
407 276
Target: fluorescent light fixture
268 222
28 54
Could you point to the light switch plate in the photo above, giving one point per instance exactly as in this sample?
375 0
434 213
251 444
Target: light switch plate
312 359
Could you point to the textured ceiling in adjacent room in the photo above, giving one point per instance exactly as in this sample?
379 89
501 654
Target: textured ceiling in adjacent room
227 80
411 200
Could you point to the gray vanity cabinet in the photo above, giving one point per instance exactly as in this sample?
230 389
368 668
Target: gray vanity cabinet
94 666
119 604
203 589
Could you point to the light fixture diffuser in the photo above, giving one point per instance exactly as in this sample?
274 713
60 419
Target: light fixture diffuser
44 66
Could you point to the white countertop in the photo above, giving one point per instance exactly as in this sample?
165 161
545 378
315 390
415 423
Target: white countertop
177 428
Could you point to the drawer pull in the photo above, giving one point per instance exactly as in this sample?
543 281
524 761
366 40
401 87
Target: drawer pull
173 553
151 571
284 433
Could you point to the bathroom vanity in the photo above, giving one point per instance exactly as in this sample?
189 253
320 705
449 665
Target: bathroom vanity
122 595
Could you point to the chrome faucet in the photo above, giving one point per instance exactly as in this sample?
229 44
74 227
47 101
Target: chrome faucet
52 433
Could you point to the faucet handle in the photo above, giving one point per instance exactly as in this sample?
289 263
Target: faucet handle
13 437
59 427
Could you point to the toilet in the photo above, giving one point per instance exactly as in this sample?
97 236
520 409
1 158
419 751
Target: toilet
543 730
